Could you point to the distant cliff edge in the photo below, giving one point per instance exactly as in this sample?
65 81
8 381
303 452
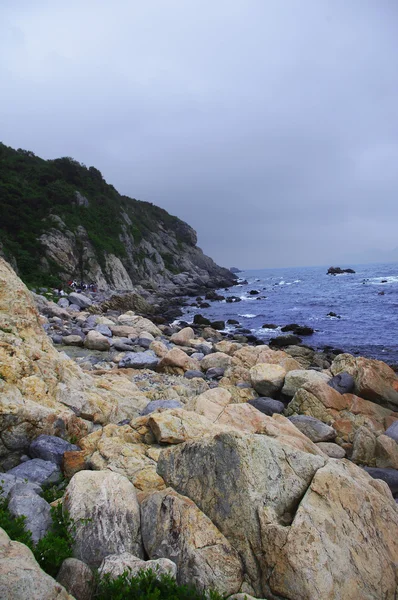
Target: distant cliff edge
62 220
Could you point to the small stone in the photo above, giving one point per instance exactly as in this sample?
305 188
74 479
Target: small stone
139 360
73 340
103 330
77 578
96 341
192 374
268 406
343 383
313 428
73 462
331 449
215 373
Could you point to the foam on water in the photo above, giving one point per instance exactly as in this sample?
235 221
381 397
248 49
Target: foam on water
248 316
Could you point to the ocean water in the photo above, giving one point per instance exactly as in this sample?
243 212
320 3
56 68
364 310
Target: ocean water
369 321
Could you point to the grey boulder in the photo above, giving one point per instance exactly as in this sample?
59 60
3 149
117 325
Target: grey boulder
80 300
343 383
313 428
268 406
139 360
38 471
77 578
392 431
390 476
50 448
104 330
192 374
24 501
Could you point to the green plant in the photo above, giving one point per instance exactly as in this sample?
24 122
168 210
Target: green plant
13 526
55 491
56 545
148 585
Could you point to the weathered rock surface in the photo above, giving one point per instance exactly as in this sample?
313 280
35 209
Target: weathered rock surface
139 360
159 405
268 406
21 578
106 515
173 527
392 431
332 450
77 578
116 564
183 336
96 341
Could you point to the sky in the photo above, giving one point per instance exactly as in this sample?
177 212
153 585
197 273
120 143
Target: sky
270 126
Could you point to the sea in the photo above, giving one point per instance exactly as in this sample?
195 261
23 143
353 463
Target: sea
366 302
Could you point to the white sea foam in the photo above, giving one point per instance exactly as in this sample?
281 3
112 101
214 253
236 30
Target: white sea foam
247 316
246 297
387 279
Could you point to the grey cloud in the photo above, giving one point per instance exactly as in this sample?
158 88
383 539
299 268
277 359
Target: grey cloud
269 126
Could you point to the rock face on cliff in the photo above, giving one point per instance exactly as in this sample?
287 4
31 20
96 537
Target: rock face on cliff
61 220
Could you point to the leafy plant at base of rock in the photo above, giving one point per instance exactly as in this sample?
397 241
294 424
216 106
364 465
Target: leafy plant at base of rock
55 491
148 585
53 548
56 545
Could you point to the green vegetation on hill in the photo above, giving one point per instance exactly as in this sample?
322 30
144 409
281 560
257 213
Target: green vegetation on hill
31 189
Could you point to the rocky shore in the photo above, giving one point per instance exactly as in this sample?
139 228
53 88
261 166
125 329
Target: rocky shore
232 466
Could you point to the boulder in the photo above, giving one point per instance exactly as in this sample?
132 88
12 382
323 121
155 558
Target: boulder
183 336
159 405
268 406
103 330
285 340
225 477
294 380
21 578
177 362
96 341
392 431
211 403
313 428
374 380
390 476
217 360
115 565
81 300
50 448
267 379
140 324
38 471
73 340
332 450
139 360
105 511
194 374
23 501
178 425
344 383
173 527
77 578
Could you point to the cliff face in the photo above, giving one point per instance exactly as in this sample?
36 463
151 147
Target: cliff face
62 220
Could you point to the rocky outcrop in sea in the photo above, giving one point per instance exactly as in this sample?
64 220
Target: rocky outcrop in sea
227 465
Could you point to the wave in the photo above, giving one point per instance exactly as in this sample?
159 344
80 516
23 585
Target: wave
247 316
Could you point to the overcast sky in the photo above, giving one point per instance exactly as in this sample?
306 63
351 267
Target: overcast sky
270 126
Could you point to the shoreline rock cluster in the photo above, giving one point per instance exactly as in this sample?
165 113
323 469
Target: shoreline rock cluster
244 468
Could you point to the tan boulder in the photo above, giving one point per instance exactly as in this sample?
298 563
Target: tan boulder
332 450
217 360
211 403
227 347
140 324
21 577
342 542
77 578
386 452
96 341
178 425
345 413
177 362
374 380
182 337
159 348
115 565
232 478
123 331
294 380
267 379
106 516
173 527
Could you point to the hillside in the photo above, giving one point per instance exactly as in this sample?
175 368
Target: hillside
62 220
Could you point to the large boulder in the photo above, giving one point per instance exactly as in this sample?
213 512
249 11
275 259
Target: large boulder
81 300
374 380
173 527
104 509
21 578
216 360
294 380
231 477
177 362
304 526
267 379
